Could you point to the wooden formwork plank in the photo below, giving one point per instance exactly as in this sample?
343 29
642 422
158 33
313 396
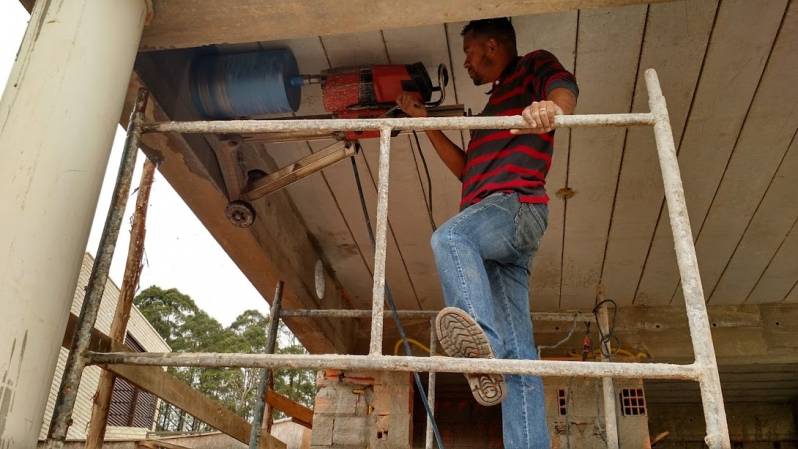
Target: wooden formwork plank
608 49
733 67
674 31
358 49
765 139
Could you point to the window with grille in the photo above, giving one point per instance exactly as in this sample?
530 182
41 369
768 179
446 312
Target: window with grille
562 402
131 407
633 402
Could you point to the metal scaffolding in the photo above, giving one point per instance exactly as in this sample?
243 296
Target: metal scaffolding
703 370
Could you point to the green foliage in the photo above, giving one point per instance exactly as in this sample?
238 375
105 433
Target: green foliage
186 328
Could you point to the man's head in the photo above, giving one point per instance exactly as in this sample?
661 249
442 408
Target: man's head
489 45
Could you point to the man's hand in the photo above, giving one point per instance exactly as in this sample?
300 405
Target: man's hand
410 105
540 117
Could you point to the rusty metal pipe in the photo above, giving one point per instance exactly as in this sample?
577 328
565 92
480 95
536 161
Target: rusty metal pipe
266 373
711 395
329 125
73 371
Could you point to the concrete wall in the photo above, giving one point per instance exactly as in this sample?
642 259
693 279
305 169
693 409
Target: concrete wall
754 425
138 326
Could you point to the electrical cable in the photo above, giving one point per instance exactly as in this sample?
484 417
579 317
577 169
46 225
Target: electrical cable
392 305
429 182
606 338
559 343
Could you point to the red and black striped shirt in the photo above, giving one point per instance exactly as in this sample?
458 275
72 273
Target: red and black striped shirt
497 161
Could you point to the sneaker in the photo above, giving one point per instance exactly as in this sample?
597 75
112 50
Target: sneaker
461 336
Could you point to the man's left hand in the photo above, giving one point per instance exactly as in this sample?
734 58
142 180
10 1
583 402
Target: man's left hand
540 117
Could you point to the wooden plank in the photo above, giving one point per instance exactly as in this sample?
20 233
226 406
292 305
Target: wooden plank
193 23
733 64
557 34
608 52
674 31
299 169
764 141
298 412
769 227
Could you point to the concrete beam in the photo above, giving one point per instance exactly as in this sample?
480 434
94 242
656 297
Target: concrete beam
192 23
743 335
278 248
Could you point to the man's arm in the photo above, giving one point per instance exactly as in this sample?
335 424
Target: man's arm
451 155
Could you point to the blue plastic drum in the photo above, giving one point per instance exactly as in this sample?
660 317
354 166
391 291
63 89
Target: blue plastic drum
245 84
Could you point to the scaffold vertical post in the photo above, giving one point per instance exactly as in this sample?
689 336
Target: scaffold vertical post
717 436
378 292
433 340
266 373
73 370
607 386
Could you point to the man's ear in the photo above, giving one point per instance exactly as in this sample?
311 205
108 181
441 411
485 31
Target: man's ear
491 44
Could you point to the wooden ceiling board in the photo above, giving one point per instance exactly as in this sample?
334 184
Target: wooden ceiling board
312 196
754 160
429 45
608 51
674 44
768 229
557 34
732 70
780 276
370 49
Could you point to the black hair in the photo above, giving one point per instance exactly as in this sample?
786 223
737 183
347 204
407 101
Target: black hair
500 29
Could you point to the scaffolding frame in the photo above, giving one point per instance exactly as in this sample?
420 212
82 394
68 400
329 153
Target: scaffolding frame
703 370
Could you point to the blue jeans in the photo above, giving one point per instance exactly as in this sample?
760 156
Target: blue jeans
483 254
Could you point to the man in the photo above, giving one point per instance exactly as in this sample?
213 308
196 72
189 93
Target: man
483 253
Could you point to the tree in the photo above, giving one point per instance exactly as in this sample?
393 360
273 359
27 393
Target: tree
187 328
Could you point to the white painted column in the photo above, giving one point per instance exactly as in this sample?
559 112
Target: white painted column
58 116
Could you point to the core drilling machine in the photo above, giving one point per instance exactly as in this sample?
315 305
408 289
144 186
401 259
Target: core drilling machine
262 83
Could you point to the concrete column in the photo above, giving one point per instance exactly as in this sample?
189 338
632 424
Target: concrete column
58 115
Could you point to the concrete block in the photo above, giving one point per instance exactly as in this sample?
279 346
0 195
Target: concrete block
351 430
322 433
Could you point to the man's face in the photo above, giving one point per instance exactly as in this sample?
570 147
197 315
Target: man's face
479 58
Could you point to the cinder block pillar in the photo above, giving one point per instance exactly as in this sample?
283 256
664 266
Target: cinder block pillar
362 409
58 116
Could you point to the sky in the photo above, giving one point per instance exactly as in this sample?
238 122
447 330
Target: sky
179 252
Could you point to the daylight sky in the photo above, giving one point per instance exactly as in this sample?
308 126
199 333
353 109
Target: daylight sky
180 253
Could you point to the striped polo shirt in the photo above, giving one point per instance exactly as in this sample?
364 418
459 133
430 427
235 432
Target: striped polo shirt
497 161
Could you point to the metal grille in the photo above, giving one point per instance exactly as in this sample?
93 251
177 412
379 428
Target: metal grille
633 402
129 406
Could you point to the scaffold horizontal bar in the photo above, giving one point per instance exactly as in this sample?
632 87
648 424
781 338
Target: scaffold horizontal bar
400 363
422 314
328 125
